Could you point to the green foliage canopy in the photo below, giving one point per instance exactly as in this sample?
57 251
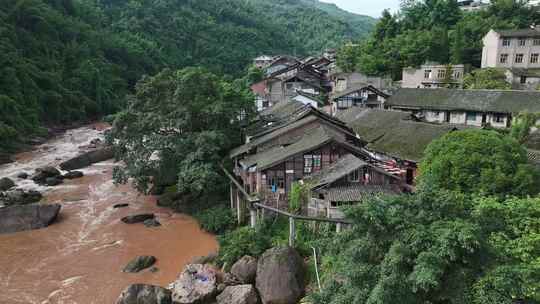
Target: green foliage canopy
182 121
489 79
478 161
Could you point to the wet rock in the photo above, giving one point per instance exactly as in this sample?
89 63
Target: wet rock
144 294
231 280
6 183
240 294
27 217
53 181
205 259
245 269
41 174
137 218
140 263
73 174
154 269
21 197
22 175
153 222
88 158
280 276
196 284
120 206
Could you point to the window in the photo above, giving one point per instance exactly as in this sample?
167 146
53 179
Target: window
534 58
522 42
317 162
441 74
506 42
499 118
457 74
523 79
354 176
471 116
504 58
536 41
519 58
289 85
281 182
308 164
427 74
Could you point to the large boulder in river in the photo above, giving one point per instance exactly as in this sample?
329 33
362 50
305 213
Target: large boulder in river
88 158
144 294
140 263
41 174
21 197
245 269
6 183
53 181
280 276
27 217
195 285
239 294
137 218
73 175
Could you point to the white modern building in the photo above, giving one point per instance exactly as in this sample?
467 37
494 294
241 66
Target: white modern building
512 49
433 75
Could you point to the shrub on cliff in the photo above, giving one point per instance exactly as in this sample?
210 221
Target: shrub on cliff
217 220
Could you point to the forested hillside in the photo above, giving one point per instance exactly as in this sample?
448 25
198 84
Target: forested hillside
66 60
435 30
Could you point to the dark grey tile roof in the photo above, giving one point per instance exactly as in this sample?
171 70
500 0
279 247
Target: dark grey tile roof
467 100
392 132
525 33
354 193
357 88
310 141
341 168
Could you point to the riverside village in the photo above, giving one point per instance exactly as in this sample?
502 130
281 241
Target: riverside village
400 165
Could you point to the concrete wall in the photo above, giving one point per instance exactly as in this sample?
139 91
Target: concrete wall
493 48
415 78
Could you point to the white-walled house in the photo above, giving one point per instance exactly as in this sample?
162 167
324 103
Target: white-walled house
512 48
433 75
465 107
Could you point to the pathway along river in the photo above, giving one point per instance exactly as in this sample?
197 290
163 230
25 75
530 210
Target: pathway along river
79 258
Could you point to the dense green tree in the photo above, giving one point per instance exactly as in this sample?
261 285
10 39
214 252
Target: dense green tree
479 161
439 30
490 78
184 121
435 247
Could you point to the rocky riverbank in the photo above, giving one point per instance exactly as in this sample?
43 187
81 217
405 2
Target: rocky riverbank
278 277
80 258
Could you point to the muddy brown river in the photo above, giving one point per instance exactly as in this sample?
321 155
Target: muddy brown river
79 259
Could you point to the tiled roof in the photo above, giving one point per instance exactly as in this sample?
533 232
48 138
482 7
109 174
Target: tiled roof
467 100
392 132
525 33
341 168
354 193
357 88
310 141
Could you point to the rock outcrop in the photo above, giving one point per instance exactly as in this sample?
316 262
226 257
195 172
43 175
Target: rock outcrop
42 174
6 183
144 294
53 181
73 175
27 217
195 285
153 222
280 276
22 175
140 263
88 159
137 218
240 294
20 197
245 269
